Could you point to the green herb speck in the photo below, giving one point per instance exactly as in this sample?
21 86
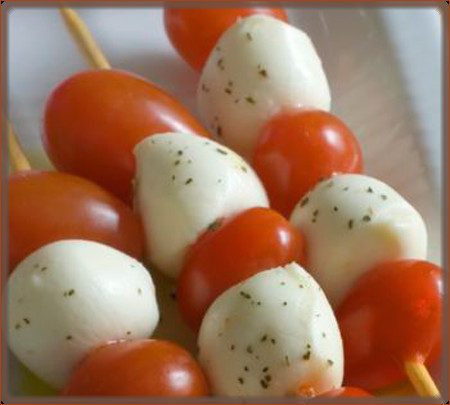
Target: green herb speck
214 225
307 355
262 72
304 202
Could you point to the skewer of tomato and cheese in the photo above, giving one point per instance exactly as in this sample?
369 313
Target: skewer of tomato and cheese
259 65
70 296
184 183
273 334
352 223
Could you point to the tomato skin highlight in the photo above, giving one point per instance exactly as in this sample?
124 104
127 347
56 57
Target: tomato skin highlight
93 120
138 368
347 392
48 206
297 148
241 246
194 32
391 315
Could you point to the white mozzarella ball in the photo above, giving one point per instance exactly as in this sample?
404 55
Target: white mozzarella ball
260 65
71 296
272 335
183 184
352 223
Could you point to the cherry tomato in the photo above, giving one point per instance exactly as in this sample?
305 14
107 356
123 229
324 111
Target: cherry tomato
347 392
231 251
391 315
138 368
194 32
94 119
298 147
48 206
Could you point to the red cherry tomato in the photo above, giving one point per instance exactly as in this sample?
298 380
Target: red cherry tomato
391 315
94 119
347 392
194 32
48 206
298 147
138 368
239 247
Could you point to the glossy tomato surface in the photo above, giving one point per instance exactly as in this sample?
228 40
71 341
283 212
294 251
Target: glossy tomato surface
231 251
391 315
138 368
94 119
195 31
347 392
299 147
48 206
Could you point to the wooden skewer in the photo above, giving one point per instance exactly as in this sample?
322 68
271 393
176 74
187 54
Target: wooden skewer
417 373
84 39
18 160
421 379
95 57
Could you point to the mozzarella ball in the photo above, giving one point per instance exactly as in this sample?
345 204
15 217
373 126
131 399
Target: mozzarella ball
274 334
70 296
259 65
184 183
352 223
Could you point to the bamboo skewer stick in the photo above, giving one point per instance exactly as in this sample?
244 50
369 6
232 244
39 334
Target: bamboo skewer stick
421 379
18 160
84 39
417 372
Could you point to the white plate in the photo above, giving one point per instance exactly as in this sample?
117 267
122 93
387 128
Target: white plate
384 68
